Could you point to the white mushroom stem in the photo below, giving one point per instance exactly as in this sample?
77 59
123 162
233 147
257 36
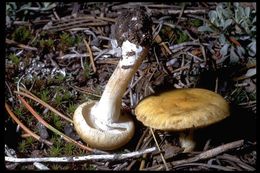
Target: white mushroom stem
186 141
106 112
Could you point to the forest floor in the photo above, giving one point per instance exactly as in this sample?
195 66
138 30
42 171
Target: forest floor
59 55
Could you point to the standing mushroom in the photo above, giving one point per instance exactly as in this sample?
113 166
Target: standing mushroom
182 110
102 124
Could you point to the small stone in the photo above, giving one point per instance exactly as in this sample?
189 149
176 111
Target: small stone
42 130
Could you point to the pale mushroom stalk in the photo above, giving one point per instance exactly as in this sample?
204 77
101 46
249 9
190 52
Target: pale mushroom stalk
187 141
101 123
109 105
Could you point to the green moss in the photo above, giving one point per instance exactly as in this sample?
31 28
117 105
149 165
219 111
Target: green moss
15 59
56 166
22 35
44 95
48 43
68 40
25 144
56 149
181 37
57 122
196 22
18 111
22 146
58 99
69 149
67 96
90 167
59 78
86 71
71 109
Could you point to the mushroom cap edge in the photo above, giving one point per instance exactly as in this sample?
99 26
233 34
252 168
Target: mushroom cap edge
184 109
103 140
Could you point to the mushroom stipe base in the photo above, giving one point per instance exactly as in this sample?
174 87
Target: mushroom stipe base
100 139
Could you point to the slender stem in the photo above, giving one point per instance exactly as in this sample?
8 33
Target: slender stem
109 107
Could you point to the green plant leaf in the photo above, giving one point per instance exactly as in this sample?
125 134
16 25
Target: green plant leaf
219 10
253 29
227 23
236 4
213 16
254 20
227 13
241 12
252 48
247 12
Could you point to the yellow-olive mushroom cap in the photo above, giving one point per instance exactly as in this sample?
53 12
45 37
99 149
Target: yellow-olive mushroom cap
182 109
104 140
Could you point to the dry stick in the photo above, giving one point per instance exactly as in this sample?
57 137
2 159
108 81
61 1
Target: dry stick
83 158
210 153
164 162
202 156
40 166
90 55
65 137
25 128
85 91
222 168
216 86
132 101
237 160
199 11
142 162
181 13
247 103
7 41
141 139
133 85
120 166
30 95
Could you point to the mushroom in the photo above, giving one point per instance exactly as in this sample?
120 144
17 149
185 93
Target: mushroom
182 110
101 124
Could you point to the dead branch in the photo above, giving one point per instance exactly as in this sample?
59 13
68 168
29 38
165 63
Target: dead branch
82 158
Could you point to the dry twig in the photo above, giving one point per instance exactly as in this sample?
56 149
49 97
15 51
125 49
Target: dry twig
37 137
28 94
210 153
83 158
90 56
65 137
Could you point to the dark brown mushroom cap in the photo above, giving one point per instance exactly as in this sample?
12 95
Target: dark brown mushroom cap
182 109
135 26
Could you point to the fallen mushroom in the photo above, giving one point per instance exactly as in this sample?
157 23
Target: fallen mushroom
101 124
182 110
